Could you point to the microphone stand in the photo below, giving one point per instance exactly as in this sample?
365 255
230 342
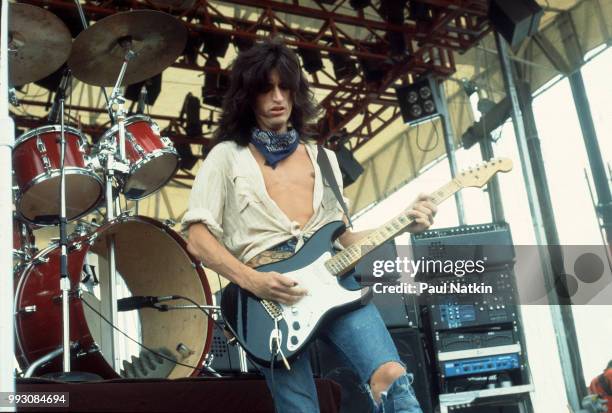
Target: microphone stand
67 374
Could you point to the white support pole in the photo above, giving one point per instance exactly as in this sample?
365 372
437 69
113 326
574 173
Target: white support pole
7 140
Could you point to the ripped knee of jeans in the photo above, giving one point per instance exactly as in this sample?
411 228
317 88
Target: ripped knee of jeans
398 398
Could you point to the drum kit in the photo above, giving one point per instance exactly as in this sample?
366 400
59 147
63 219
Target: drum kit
66 294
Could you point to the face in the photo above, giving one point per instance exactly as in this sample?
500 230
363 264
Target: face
273 106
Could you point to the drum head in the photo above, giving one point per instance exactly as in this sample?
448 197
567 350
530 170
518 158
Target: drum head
151 174
152 261
40 203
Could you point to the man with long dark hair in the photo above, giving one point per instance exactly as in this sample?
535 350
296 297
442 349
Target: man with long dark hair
259 194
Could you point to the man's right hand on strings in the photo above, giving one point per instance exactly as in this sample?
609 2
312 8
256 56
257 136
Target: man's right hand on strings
273 286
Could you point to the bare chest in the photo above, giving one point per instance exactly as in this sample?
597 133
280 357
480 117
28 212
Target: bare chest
291 184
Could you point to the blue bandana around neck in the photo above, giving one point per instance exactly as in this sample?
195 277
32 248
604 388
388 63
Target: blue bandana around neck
275 146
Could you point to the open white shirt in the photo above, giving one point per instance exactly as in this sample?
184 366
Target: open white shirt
229 196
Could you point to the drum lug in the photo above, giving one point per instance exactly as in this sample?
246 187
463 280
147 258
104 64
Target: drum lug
46 163
76 246
170 222
26 309
94 348
40 260
167 142
155 128
208 359
134 143
92 239
40 145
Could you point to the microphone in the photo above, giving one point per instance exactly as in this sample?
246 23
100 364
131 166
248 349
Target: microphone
59 94
141 301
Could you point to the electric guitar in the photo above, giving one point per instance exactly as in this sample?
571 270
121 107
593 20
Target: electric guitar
274 333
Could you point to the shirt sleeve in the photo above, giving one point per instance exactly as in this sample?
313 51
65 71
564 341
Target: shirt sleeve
207 198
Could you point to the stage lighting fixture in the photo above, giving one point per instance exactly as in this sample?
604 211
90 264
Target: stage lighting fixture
191 111
515 19
215 85
350 168
344 66
186 158
419 11
393 11
397 44
359 4
417 101
311 59
192 49
215 45
373 71
153 86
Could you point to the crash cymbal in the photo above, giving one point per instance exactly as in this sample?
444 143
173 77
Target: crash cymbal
97 54
39 43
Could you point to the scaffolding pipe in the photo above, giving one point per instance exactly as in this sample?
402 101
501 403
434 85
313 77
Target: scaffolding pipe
562 318
493 189
449 144
7 140
598 170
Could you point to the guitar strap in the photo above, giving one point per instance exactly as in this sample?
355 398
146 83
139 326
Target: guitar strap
328 175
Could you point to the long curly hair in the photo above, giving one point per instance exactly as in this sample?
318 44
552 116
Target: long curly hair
249 77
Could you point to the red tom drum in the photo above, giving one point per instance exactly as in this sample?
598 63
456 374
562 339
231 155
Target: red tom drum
152 158
36 164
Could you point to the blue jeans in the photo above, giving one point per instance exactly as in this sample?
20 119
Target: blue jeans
364 343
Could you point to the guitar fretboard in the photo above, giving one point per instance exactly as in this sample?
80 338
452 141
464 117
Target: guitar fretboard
346 260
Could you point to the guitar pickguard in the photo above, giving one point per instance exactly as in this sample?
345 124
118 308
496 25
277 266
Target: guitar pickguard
324 293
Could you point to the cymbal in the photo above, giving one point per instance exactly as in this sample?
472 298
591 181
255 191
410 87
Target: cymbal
156 37
39 43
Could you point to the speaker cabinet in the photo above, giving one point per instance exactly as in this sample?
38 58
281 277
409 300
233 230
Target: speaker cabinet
515 19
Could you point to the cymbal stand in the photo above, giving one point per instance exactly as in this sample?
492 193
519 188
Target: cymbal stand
85 25
114 168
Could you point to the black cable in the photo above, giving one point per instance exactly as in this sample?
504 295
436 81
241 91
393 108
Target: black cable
202 309
432 147
200 369
272 383
229 359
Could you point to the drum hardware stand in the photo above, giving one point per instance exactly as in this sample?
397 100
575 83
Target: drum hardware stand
66 374
114 169
13 97
207 363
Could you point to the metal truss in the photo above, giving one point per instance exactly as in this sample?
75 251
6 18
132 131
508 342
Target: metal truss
355 109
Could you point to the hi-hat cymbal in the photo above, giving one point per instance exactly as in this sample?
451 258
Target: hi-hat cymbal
39 43
97 54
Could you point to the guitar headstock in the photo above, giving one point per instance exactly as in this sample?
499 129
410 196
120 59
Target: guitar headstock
479 175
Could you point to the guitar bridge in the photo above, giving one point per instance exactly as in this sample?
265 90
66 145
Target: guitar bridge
273 309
